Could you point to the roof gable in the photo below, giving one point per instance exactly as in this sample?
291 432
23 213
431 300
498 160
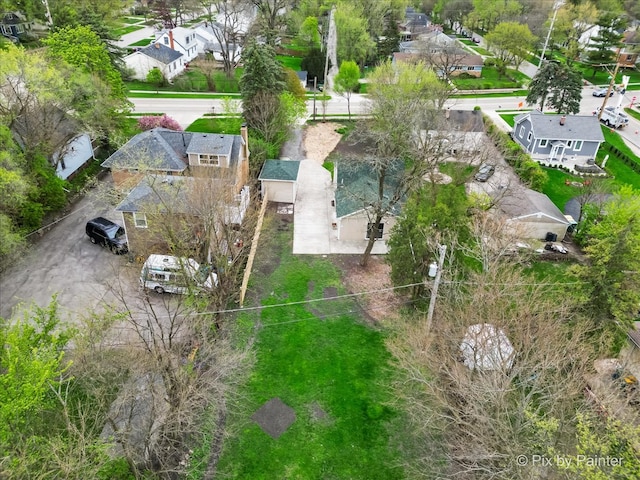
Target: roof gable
211 144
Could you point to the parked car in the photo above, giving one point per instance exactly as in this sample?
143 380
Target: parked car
602 92
108 234
476 40
485 172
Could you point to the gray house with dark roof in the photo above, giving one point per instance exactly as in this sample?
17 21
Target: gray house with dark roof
279 180
170 62
557 138
162 167
168 152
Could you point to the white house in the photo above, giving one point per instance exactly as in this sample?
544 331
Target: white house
76 153
180 39
169 62
208 40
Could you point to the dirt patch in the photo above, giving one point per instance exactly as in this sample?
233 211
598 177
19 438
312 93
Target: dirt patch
379 307
318 415
274 417
320 140
330 292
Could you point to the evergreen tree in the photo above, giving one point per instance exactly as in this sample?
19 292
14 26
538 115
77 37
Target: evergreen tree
608 38
314 63
559 84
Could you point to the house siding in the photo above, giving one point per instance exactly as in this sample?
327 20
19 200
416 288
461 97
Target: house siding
353 228
279 191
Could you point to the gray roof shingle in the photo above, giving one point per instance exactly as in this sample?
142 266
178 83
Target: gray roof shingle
526 203
161 53
576 127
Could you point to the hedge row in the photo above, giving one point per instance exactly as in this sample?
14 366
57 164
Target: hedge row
628 161
529 171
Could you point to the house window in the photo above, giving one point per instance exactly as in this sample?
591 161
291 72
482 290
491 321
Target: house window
529 137
166 41
578 146
376 232
569 143
140 220
521 134
209 159
544 142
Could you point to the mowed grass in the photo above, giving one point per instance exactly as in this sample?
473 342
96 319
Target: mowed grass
289 61
226 125
313 356
491 79
119 32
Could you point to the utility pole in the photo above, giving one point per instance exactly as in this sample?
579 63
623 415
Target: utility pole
315 90
442 250
556 7
611 83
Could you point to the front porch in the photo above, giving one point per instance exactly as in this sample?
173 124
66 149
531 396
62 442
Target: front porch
576 164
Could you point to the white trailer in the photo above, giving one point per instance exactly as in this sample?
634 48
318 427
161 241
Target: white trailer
164 273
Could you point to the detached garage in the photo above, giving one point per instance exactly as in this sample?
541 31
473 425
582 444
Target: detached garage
279 180
533 215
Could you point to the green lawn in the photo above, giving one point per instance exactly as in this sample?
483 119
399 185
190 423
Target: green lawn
131 20
141 43
466 41
192 80
515 93
227 125
632 112
481 51
289 61
323 361
602 76
557 189
489 79
119 32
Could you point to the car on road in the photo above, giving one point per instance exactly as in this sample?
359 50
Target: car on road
602 92
108 234
485 172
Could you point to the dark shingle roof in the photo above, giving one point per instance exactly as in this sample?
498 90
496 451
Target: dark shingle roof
286 170
576 127
161 53
158 149
211 143
167 150
358 187
156 191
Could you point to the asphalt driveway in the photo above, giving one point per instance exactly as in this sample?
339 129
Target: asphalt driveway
63 261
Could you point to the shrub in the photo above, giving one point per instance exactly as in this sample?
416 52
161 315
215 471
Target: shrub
154 121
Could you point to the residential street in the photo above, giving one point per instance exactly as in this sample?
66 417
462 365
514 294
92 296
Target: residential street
187 110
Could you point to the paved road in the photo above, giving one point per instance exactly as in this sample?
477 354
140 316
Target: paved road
187 110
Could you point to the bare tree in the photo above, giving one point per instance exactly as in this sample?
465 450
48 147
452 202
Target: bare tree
271 17
229 31
505 355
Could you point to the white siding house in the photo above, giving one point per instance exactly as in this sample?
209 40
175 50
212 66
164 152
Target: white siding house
180 39
168 61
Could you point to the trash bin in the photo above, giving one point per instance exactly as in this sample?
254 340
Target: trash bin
551 237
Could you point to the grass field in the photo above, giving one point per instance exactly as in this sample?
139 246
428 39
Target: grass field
119 32
324 362
227 125
489 80
289 61
141 43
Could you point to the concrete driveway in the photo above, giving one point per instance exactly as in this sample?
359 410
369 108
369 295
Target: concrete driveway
313 215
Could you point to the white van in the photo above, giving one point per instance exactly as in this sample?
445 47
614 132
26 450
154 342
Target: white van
164 273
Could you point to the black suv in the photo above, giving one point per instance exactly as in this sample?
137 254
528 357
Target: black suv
108 234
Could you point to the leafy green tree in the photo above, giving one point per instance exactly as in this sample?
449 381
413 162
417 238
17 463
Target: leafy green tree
511 41
263 76
293 85
559 84
566 93
81 47
611 280
401 95
347 81
354 40
607 39
32 360
309 34
486 14
155 77
434 211
391 39
314 63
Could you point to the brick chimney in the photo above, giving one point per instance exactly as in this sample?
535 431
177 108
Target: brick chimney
563 119
171 39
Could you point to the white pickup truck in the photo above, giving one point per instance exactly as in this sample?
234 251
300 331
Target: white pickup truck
613 117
